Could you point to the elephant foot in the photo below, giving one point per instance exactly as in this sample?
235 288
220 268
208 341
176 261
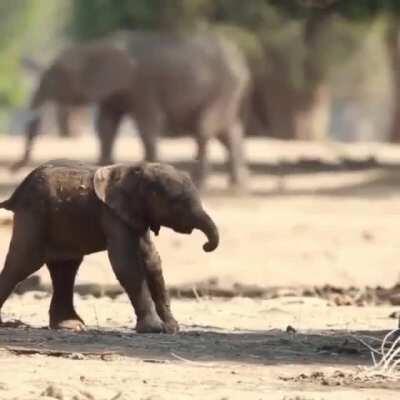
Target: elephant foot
75 325
171 326
238 189
104 162
72 322
200 184
18 165
239 182
150 324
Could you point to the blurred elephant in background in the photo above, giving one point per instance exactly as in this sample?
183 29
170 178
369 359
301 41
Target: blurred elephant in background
81 75
164 82
67 119
185 85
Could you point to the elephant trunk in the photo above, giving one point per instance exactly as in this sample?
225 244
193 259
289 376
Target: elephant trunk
205 224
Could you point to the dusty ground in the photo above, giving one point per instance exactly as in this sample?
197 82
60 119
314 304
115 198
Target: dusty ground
292 229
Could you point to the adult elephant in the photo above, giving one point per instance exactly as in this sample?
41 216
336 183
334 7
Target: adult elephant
170 83
182 84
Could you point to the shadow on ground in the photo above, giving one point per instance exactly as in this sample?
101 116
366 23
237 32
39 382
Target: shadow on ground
195 344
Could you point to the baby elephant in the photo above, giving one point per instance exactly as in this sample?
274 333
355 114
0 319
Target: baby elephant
65 210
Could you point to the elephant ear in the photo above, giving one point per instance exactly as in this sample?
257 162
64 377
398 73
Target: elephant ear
118 187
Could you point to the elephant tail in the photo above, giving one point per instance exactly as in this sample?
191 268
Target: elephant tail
7 204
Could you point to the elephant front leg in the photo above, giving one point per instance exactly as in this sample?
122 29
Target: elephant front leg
156 283
107 124
149 125
125 257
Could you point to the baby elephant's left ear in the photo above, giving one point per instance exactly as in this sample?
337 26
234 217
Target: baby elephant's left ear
111 185
102 179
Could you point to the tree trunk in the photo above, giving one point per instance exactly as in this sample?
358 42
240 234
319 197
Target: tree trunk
393 48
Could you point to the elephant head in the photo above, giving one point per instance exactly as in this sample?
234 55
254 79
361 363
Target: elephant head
153 195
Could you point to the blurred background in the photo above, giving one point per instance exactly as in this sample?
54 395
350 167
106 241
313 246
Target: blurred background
322 117
320 68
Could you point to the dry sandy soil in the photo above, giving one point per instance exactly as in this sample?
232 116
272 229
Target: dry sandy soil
293 232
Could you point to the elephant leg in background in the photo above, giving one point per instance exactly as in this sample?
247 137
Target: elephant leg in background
107 124
232 140
202 167
149 123
208 127
156 283
62 312
63 117
25 255
31 134
128 265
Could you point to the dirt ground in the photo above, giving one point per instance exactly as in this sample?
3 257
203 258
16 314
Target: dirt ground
266 327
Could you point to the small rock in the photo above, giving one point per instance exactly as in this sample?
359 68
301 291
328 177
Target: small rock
290 329
367 235
54 392
76 356
395 299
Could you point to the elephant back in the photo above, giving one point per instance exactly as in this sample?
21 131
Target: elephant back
98 70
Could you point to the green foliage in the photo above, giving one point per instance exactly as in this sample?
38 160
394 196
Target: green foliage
96 18
261 27
351 9
12 21
20 28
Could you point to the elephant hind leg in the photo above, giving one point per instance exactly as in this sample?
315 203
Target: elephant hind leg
209 125
201 167
62 312
32 131
25 255
232 139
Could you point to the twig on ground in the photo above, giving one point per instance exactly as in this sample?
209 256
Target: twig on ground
117 396
95 315
182 358
194 363
54 353
196 294
389 356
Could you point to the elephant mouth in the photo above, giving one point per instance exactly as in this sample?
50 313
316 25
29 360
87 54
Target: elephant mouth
185 230
181 228
155 228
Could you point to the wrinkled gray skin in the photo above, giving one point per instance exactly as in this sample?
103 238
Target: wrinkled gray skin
65 210
190 85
